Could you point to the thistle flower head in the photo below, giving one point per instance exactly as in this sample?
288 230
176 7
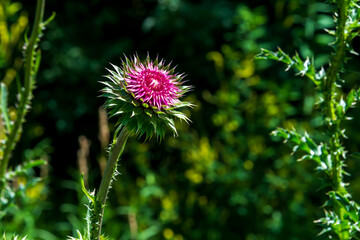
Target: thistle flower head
153 84
145 95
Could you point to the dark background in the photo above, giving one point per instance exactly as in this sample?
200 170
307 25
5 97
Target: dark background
224 177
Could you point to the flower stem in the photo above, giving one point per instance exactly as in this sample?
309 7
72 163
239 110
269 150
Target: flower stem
115 152
26 91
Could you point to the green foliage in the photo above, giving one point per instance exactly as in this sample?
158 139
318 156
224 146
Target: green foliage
341 212
14 21
222 172
93 215
223 177
23 181
19 187
23 198
303 68
226 174
32 61
94 211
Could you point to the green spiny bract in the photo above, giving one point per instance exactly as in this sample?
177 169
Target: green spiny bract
145 96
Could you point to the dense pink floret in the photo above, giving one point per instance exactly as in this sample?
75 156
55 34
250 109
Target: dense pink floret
153 85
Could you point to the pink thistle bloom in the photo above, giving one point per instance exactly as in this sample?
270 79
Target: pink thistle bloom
153 84
146 95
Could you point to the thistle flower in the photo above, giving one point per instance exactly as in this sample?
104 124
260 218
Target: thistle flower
146 96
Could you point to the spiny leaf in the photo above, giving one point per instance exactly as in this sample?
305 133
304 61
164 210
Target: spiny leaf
89 195
304 68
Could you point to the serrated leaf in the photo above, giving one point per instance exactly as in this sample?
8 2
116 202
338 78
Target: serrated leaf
303 68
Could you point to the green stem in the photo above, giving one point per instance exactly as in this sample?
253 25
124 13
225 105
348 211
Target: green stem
329 87
115 153
26 91
332 120
337 60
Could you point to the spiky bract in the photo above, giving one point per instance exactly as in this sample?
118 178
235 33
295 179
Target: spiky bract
146 96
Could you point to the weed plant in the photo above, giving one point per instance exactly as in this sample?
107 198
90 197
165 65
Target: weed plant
341 211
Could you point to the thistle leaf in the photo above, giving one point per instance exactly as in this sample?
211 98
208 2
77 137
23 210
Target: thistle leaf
85 191
303 68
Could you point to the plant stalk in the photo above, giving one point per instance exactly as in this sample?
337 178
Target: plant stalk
26 91
337 60
332 120
329 87
110 169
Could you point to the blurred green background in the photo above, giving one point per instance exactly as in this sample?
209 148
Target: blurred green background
224 176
